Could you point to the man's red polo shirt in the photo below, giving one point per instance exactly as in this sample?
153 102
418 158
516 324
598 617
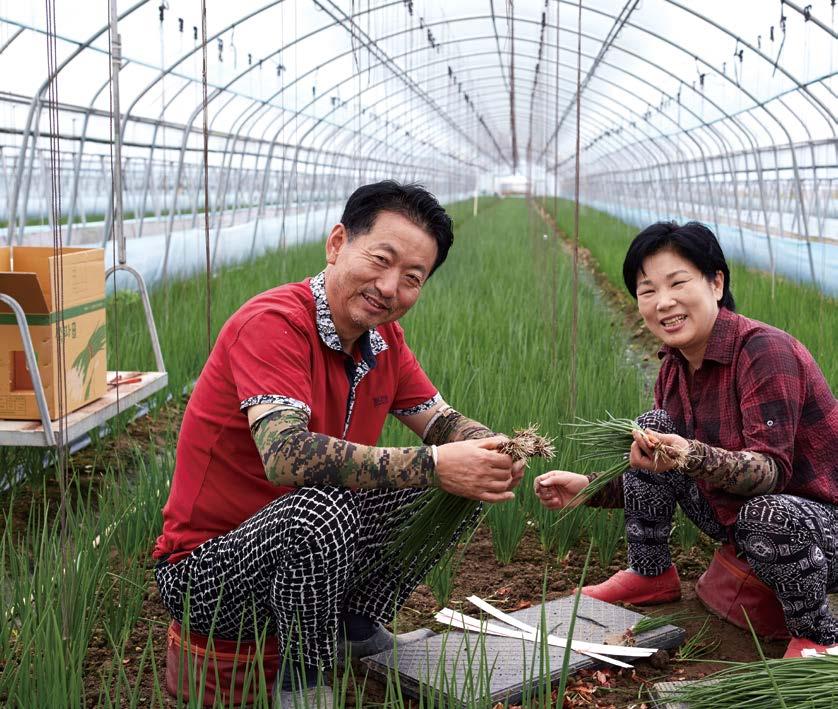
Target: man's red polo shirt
280 347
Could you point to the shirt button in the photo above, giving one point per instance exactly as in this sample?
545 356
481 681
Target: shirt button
769 422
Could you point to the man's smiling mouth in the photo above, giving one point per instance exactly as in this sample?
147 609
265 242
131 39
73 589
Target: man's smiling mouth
377 304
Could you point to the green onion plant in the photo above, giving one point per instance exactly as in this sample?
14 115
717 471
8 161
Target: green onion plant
699 644
607 530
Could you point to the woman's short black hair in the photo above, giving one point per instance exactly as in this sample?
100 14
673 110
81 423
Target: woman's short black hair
412 201
693 241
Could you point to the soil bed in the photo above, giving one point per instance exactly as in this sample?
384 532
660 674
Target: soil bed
509 587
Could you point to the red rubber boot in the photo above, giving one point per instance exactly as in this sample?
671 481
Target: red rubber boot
629 587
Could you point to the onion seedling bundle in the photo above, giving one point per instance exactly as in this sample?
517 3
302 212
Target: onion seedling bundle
438 519
608 439
793 682
653 622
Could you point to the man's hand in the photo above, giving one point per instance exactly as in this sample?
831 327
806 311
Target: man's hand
557 488
645 456
476 470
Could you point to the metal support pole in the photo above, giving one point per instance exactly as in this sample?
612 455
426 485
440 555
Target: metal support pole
116 133
149 315
32 366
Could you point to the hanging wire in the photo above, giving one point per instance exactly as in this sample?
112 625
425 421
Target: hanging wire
206 172
58 300
556 255
114 63
783 41
574 327
163 7
510 20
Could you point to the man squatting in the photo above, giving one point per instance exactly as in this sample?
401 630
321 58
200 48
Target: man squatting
280 497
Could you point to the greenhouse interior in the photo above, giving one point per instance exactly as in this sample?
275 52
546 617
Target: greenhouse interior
219 224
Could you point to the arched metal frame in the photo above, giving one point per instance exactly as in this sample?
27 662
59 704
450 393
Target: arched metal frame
438 110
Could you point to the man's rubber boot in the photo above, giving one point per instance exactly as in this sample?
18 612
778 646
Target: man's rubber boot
630 587
798 645
313 698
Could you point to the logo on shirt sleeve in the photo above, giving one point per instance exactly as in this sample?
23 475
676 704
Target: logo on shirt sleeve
380 400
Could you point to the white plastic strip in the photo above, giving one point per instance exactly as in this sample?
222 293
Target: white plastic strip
458 620
576 645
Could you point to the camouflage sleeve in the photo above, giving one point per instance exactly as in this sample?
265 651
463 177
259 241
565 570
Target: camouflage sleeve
449 425
293 455
610 496
744 473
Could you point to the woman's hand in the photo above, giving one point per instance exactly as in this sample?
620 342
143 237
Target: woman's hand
557 488
651 451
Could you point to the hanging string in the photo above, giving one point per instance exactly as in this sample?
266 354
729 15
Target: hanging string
510 20
783 41
555 278
164 167
206 172
574 328
114 63
60 382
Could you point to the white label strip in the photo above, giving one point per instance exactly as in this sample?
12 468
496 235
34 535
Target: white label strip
455 619
576 645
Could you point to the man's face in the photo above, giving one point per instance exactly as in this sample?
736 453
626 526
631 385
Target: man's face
377 277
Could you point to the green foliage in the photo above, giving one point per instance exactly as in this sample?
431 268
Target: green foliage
684 532
606 529
794 682
602 440
495 341
508 524
700 644
61 581
653 622
425 529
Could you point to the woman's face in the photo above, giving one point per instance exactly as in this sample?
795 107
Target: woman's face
678 303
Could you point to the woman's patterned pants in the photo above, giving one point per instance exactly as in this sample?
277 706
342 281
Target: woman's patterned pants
295 568
790 542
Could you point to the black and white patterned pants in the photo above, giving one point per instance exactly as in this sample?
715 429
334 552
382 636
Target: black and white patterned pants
789 542
295 568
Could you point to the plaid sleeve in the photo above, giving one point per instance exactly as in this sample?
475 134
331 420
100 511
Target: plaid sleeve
771 384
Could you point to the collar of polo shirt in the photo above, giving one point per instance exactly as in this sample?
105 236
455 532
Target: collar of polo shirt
326 325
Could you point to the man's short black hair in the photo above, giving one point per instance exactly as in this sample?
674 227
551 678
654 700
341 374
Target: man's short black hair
693 241
412 201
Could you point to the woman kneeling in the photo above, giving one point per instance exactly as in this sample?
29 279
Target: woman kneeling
750 410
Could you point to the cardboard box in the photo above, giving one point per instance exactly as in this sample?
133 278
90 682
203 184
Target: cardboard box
82 278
